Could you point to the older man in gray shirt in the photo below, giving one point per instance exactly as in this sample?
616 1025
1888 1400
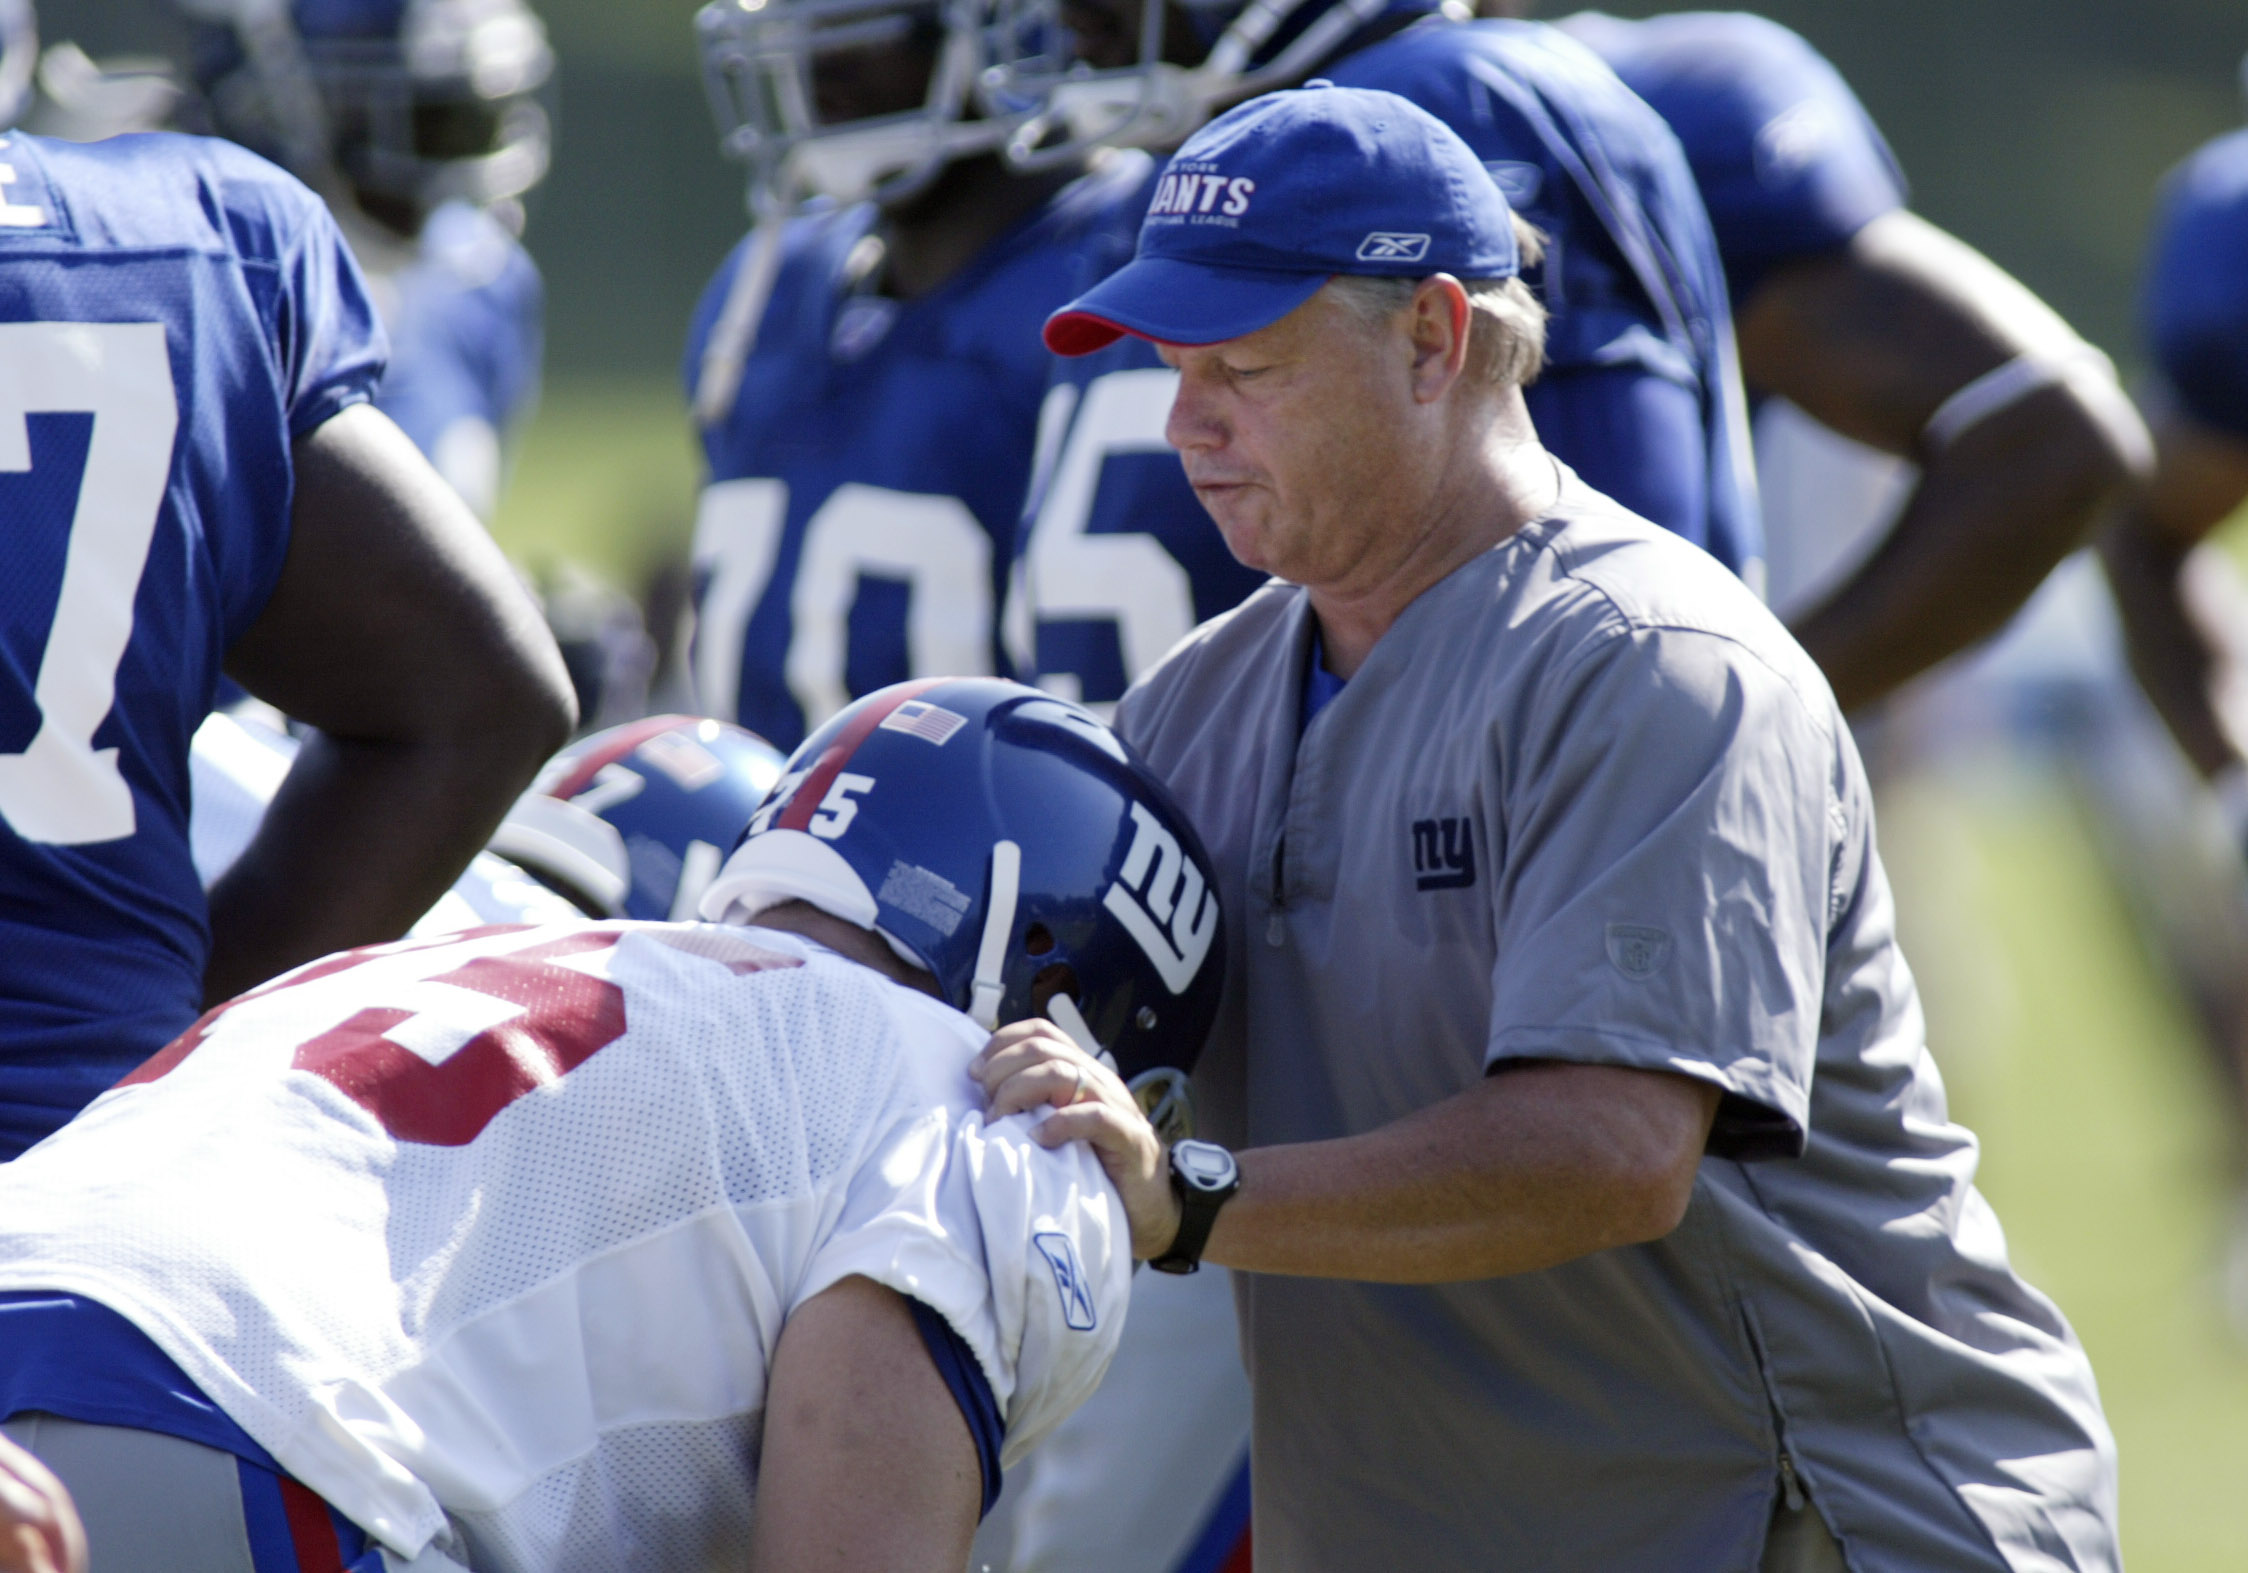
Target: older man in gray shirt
1600 1209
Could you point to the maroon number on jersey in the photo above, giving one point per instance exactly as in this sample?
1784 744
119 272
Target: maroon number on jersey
567 1018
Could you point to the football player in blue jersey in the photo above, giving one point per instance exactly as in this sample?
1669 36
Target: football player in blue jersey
420 122
193 480
1640 393
866 372
1888 330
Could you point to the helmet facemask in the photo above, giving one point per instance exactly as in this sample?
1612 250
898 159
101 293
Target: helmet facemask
847 99
1193 58
402 107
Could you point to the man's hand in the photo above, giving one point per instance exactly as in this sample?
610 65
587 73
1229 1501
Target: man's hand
1034 1064
39 1529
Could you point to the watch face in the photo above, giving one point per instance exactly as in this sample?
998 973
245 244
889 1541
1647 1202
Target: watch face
1204 1165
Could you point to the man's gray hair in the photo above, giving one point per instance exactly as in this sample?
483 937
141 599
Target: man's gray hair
1506 335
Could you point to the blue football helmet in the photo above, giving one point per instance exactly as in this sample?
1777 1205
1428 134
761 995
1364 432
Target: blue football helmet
633 822
852 99
19 58
1008 843
416 102
1109 72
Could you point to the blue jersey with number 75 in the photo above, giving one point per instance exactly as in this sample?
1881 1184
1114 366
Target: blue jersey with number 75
173 313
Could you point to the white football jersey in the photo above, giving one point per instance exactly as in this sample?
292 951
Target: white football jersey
489 1239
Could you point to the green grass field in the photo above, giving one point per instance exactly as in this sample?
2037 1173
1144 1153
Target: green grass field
2106 1134
604 478
2105 1130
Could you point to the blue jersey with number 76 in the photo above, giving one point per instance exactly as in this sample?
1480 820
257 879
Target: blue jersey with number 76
173 312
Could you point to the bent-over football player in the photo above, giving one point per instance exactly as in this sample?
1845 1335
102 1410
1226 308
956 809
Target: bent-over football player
617 1243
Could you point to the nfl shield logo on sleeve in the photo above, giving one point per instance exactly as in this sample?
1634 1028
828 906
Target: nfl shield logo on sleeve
1637 950
1069 1280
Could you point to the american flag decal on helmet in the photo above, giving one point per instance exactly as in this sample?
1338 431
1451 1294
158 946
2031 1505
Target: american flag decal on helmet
930 723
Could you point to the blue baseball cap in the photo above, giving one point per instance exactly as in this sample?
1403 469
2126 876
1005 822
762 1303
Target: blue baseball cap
1268 201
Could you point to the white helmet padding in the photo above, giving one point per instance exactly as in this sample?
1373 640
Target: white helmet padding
574 845
790 865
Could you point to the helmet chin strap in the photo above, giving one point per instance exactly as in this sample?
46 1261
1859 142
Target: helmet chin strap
999 927
1062 1011
726 353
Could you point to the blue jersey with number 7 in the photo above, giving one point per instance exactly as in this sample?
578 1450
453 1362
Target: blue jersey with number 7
173 313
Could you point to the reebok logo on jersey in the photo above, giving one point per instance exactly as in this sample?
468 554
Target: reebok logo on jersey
1162 902
1069 1281
1443 854
1198 194
1385 245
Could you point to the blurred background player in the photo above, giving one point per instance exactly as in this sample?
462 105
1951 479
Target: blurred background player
1883 328
866 372
191 479
420 123
423 124
2184 617
746 1214
1640 395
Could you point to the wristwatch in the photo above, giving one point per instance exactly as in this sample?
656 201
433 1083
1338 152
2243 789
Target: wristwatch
1203 1177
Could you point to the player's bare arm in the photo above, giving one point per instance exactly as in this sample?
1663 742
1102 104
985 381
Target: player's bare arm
2178 643
39 1529
399 632
1530 1168
1872 341
853 1400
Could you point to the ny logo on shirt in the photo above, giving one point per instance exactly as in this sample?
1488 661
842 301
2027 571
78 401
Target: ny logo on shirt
1443 854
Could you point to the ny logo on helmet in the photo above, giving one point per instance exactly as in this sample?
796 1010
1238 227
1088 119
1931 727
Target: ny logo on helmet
1160 898
1389 246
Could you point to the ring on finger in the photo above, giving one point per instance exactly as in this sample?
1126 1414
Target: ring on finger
1077 1092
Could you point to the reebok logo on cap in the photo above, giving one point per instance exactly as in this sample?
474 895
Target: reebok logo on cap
1385 245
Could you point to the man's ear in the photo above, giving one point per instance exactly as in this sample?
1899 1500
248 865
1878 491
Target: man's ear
1438 320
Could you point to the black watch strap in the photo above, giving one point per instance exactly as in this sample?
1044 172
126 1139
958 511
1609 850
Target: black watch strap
1203 1177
